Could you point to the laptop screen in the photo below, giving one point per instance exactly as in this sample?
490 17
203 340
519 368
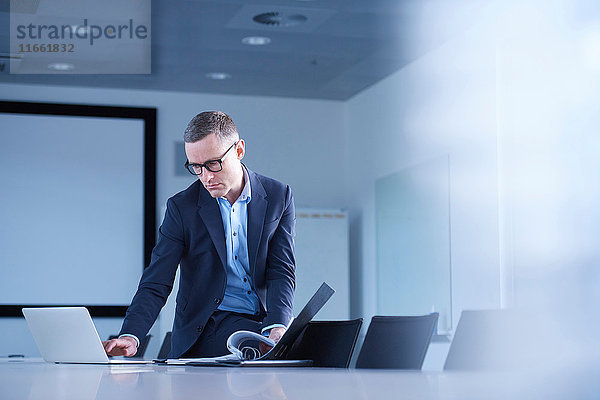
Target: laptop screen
316 302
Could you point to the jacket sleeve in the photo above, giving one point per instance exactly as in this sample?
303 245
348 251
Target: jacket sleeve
281 266
157 280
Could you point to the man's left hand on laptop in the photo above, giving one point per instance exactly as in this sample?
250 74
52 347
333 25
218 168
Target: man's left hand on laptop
125 346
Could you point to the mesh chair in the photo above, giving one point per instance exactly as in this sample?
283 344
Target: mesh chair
327 343
397 342
165 348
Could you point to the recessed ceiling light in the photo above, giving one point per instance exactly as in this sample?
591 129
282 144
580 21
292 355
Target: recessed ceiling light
276 18
61 66
219 76
256 40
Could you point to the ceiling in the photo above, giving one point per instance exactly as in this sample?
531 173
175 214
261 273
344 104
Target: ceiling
342 48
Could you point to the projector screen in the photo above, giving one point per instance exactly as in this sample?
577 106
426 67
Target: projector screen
77 204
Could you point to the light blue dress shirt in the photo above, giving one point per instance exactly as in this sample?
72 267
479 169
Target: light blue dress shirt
239 293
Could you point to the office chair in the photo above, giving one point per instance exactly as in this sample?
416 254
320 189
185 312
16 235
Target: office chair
165 348
397 342
327 343
493 340
141 350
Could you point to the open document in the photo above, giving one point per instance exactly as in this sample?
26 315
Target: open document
238 346
241 353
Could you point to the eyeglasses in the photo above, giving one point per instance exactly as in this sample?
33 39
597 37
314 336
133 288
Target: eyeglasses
211 165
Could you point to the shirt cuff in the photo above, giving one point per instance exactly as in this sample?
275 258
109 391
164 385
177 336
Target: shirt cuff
266 331
132 336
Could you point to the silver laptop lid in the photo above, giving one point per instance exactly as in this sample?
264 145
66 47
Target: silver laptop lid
65 334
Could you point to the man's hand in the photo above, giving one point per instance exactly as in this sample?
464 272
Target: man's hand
275 335
125 346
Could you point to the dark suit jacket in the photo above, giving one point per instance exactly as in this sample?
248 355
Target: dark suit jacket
192 236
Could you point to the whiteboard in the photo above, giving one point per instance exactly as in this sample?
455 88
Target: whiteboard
413 242
72 209
322 256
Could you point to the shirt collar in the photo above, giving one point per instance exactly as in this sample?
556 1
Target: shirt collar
246 192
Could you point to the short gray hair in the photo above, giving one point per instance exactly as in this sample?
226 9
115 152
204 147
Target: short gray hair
210 122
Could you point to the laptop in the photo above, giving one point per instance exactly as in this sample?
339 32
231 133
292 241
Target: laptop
68 335
277 357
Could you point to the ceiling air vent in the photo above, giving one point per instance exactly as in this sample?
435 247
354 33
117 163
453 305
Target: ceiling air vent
266 18
276 18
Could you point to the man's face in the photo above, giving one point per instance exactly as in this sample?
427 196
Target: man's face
218 184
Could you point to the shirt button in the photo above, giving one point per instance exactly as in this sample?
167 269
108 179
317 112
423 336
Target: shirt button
234 234
217 301
245 279
236 257
199 329
249 292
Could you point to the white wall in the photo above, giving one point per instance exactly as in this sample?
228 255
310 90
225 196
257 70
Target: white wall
441 104
284 137
549 102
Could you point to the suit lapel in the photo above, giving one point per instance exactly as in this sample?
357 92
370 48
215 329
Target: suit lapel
211 215
257 208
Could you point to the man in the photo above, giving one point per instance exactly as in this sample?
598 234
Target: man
232 233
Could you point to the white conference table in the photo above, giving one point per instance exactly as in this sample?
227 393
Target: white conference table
34 379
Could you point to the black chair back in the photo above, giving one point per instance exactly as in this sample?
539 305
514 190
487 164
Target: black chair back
397 342
143 346
327 343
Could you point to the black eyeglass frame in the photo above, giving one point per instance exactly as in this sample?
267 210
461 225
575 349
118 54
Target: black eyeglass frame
190 166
